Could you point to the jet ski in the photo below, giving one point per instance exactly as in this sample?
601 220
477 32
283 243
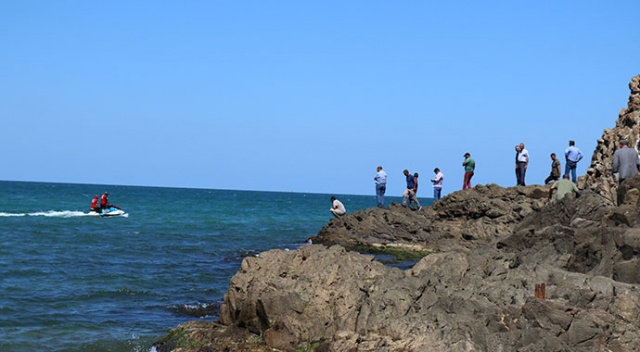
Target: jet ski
111 210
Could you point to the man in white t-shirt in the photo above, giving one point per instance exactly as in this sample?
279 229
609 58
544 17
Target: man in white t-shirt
381 186
523 163
337 208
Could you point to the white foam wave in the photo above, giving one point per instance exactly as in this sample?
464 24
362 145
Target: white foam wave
59 214
11 214
54 214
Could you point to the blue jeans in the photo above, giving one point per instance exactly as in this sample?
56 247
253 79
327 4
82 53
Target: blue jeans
380 189
437 191
570 168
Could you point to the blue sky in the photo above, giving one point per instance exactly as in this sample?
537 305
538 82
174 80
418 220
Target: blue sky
305 96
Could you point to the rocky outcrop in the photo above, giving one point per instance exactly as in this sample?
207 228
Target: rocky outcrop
478 290
477 299
454 222
599 177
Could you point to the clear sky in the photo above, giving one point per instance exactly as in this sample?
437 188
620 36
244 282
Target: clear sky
306 96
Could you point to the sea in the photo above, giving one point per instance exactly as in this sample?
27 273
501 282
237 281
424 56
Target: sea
74 282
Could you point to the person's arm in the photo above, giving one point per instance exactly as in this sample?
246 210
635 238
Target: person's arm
551 192
559 169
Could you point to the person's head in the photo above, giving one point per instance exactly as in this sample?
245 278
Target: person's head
416 175
379 168
436 170
553 156
406 172
624 143
333 198
572 143
466 155
521 146
565 176
517 147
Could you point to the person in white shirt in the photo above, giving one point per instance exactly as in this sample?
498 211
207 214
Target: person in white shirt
381 186
523 162
337 208
437 184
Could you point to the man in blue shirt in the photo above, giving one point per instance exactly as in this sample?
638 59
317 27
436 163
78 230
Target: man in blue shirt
572 156
410 191
381 186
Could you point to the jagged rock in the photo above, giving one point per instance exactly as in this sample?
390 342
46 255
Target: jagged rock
599 177
491 247
481 213
481 300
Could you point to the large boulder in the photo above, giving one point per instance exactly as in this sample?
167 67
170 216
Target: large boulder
482 300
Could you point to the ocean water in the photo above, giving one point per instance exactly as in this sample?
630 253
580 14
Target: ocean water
74 282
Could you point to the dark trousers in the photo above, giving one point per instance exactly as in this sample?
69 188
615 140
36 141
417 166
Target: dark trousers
551 178
522 171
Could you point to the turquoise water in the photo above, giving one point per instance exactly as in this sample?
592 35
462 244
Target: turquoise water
73 282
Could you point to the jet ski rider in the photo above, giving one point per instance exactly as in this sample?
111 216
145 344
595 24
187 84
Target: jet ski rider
94 204
104 201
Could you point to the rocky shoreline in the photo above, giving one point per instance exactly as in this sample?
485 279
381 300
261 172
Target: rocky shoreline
485 252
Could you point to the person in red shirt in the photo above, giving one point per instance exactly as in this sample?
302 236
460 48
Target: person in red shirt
104 201
94 203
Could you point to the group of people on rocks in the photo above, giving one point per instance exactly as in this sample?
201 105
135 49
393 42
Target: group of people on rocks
626 164
380 179
572 156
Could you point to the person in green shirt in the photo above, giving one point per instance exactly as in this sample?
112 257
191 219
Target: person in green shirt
555 169
563 187
469 167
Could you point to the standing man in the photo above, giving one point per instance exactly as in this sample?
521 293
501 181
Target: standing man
555 169
410 191
625 161
523 162
572 155
381 186
337 208
469 167
517 170
437 184
563 187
